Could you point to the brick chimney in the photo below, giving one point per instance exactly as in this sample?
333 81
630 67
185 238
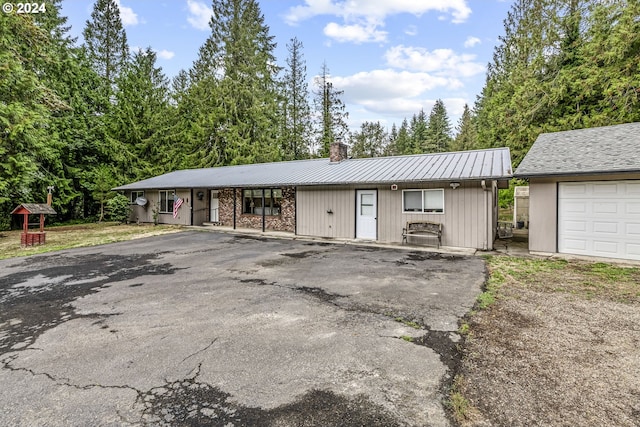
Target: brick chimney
337 152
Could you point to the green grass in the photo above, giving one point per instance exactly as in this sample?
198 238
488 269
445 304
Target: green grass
459 406
407 338
79 235
409 323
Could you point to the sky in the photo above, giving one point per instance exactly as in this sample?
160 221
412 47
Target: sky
391 58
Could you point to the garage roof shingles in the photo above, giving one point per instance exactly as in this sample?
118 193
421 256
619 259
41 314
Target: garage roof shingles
585 151
492 163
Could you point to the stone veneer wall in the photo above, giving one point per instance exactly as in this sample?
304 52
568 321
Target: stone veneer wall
286 221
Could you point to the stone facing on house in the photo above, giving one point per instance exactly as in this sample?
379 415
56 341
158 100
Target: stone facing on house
283 222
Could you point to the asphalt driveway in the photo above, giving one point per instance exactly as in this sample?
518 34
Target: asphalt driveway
201 328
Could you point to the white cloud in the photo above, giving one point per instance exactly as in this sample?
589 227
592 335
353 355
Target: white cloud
199 15
472 41
411 30
127 15
377 9
354 33
165 54
438 61
389 85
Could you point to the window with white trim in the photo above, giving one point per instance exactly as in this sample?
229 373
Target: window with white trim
135 195
423 201
166 198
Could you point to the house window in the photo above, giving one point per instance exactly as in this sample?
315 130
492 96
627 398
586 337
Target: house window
423 201
252 201
135 195
166 200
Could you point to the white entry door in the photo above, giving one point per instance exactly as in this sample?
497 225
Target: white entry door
214 217
599 218
366 215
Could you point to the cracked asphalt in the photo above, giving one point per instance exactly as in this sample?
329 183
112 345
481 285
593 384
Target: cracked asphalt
213 329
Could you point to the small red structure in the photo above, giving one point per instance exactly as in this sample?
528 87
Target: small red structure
35 237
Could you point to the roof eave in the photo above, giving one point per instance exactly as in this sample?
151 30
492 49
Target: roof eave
575 173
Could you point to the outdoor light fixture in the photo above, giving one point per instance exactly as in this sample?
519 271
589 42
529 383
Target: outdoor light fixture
454 185
200 195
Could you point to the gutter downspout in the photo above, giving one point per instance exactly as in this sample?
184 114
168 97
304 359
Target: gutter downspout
235 194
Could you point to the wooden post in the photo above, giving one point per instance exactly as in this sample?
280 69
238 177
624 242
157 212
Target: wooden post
25 226
41 223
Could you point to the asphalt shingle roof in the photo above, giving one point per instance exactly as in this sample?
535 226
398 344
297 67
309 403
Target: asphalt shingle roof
465 165
585 151
36 208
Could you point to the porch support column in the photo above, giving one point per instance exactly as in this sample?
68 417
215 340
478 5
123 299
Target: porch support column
263 212
235 195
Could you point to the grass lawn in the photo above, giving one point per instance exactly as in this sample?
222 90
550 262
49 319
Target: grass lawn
74 236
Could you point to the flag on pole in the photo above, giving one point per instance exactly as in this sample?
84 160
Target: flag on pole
176 205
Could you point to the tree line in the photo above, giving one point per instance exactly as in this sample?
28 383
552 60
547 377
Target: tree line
88 117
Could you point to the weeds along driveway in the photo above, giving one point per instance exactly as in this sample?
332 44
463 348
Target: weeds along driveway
200 328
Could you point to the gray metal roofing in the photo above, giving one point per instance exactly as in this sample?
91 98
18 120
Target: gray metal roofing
465 165
577 152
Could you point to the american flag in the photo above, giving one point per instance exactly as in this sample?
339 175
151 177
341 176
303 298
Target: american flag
176 205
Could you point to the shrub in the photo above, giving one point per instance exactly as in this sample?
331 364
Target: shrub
118 208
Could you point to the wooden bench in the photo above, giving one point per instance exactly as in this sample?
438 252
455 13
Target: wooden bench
422 229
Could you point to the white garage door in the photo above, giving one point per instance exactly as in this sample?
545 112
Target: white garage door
600 218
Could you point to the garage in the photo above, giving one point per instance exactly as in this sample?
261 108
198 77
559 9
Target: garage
599 218
584 192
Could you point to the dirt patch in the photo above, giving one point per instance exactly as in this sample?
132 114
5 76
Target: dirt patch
553 350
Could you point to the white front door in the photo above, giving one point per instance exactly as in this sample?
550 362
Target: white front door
599 218
214 217
366 215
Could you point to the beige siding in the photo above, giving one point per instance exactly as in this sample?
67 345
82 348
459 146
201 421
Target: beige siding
312 204
145 213
200 207
543 207
468 219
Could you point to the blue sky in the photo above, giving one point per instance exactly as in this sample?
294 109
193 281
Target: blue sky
390 57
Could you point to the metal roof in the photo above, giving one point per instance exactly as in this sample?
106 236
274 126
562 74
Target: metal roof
492 163
585 151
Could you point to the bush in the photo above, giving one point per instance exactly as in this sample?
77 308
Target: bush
118 208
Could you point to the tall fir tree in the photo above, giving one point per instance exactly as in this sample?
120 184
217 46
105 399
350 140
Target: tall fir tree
418 129
466 135
296 111
106 43
234 91
438 129
331 112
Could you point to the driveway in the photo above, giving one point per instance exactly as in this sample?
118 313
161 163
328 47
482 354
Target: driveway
203 328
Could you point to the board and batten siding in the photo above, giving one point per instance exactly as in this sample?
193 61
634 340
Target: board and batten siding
145 213
468 219
462 222
313 204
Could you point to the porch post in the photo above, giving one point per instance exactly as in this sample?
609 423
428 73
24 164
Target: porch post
263 211
235 195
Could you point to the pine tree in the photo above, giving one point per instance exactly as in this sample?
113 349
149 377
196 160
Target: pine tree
297 113
391 149
438 129
106 43
138 120
370 141
332 125
418 129
234 94
466 136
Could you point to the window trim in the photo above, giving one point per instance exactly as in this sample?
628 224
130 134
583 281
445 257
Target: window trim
271 205
160 207
138 193
422 195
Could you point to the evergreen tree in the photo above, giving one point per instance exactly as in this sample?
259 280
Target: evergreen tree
297 113
403 141
419 133
139 120
466 137
106 43
391 149
27 104
234 92
370 141
332 116
438 129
